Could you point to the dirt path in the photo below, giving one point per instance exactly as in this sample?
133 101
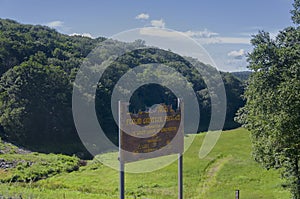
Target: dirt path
210 174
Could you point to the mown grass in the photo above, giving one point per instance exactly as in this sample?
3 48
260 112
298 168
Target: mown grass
227 168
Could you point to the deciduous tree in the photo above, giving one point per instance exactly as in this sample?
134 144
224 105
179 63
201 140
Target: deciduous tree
272 111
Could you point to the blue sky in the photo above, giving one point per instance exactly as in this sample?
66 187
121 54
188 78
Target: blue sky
222 27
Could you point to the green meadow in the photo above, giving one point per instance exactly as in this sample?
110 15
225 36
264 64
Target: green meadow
227 168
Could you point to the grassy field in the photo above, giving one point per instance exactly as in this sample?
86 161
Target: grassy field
227 168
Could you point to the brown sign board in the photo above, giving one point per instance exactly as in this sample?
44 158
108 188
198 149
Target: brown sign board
149 134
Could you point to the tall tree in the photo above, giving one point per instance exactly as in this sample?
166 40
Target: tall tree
36 107
272 110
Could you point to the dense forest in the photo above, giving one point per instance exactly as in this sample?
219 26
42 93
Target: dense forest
38 66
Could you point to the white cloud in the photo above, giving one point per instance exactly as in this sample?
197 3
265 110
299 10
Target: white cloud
205 33
207 37
142 16
158 23
150 31
83 35
55 24
225 40
237 54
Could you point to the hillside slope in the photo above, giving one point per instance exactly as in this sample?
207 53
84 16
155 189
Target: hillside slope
38 66
227 168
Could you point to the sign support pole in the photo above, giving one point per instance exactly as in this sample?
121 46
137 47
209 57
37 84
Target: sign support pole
180 161
180 177
122 189
122 167
237 194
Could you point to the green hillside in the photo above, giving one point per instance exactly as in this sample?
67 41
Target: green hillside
227 168
38 66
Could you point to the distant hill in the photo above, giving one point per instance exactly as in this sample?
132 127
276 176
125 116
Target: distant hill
243 75
38 66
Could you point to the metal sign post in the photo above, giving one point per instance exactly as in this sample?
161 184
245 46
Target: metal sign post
237 194
180 177
180 156
122 188
122 166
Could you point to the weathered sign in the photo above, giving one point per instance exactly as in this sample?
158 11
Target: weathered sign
153 133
